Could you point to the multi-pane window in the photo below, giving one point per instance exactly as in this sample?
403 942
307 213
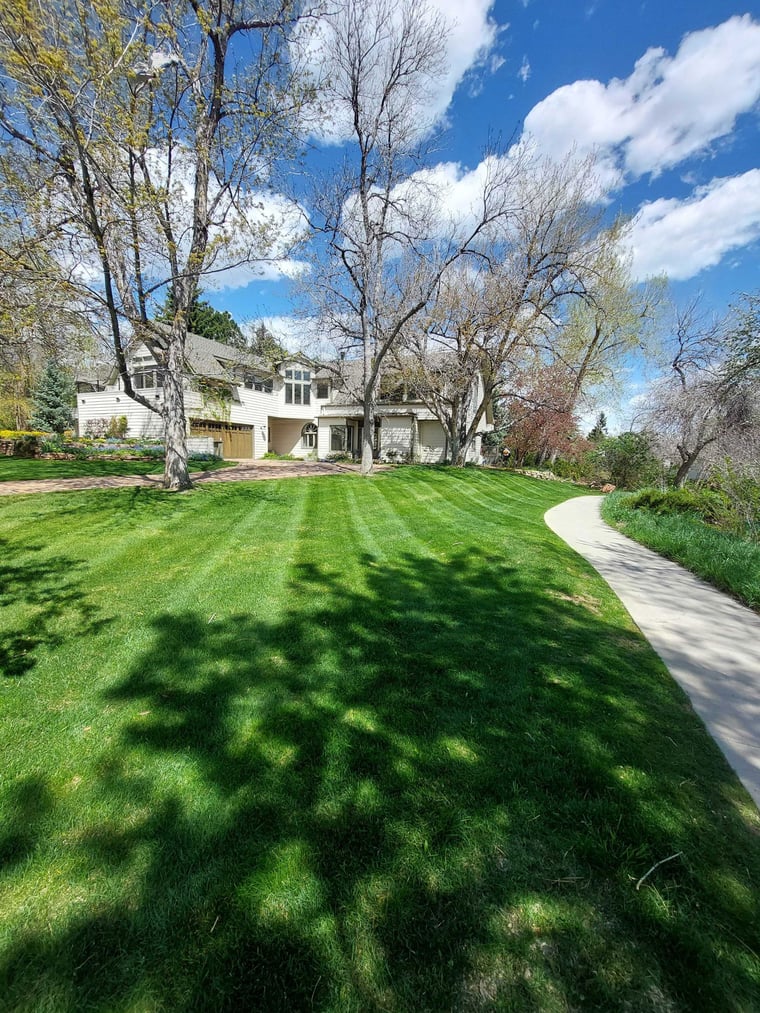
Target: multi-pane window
323 390
297 386
148 378
309 436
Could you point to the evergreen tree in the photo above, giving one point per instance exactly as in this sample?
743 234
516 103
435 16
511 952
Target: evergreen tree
203 319
266 346
600 429
53 401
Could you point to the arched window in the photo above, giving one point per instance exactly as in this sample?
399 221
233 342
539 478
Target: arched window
309 436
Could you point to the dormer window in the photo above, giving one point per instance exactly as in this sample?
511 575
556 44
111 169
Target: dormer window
252 382
148 379
297 386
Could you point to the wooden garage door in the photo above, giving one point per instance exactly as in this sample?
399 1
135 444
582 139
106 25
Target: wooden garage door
236 440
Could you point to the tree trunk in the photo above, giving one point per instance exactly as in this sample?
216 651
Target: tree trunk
176 475
683 472
368 435
455 447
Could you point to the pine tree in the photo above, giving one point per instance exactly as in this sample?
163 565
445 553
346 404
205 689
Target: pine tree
53 401
266 346
599 431
203 319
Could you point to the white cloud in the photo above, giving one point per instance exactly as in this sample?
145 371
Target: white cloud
296 334
668 109
470 47
524 71
683 237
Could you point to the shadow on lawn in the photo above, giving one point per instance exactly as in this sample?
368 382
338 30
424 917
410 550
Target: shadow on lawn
430 794
49 588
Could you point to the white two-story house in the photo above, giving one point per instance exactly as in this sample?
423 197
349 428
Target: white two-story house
245 408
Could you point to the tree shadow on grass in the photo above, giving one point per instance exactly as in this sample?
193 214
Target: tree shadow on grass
48 589
432 792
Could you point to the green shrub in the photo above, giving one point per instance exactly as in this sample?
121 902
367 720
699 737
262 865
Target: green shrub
740 490
117 427
629 460
706 504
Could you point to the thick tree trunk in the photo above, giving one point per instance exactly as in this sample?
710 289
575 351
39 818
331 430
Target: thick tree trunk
683 472
176 475
368 435
371 383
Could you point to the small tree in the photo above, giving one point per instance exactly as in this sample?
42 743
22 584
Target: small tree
599 432
630 460
52 401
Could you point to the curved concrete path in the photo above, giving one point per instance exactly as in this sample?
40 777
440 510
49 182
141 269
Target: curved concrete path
710 644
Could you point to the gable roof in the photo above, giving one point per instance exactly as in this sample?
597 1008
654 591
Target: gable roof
212 359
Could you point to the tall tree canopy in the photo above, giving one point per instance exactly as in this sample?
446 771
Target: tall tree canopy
137 136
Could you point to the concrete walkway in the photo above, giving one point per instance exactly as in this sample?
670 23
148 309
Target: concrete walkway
710 644
243 471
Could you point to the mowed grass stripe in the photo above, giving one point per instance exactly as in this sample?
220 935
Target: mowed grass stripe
391 772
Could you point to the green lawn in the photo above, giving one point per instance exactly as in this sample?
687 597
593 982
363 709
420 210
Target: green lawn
350 745
20 469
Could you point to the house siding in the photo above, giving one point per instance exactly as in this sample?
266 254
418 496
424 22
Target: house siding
396 437
408 430
112 404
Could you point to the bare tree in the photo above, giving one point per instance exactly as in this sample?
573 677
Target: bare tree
501 308
135 134
385 239
692 407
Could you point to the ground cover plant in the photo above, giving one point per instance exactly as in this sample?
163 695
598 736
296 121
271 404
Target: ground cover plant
22 469
350 745
681 525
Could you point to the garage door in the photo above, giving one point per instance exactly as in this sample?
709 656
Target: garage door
432 442
236 440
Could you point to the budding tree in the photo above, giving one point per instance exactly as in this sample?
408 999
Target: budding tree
137 135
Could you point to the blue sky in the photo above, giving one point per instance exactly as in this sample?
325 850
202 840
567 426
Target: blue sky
668 95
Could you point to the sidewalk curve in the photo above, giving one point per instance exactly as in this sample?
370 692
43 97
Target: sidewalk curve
709 642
